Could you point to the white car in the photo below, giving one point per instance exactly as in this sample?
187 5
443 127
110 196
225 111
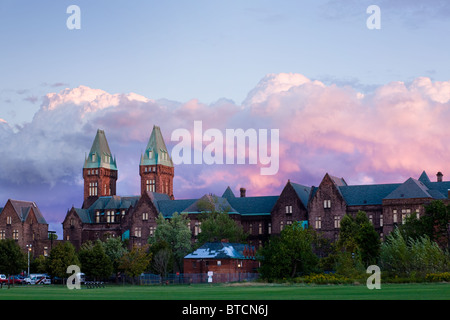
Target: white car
38 279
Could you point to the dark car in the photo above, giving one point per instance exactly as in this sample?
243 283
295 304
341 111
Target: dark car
15 280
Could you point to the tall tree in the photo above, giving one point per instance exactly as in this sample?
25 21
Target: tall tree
358 236
114 249
135 262
94 260
62 256
12 259
435 224
289 254
176 233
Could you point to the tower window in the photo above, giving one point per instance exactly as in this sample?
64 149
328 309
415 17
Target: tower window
150 185
93 188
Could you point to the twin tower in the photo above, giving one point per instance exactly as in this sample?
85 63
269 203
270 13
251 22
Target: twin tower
100 169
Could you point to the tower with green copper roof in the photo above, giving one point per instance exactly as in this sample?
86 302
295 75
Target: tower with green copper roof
156 167
99 171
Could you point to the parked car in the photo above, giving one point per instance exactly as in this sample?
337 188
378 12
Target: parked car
3 279
42 279
15 280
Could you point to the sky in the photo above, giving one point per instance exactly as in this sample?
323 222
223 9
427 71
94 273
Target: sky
369 105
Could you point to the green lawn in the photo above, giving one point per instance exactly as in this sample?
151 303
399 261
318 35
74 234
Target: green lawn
256 291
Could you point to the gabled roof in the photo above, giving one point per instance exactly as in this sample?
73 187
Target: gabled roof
303 193
410 189
100 155
23 209
223 250
156 151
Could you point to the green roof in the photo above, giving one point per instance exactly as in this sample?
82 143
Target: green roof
156 151
100 155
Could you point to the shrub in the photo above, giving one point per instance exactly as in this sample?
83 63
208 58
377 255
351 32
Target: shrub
438 277
324 278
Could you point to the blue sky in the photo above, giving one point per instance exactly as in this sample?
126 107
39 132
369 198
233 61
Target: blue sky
208 50
187 55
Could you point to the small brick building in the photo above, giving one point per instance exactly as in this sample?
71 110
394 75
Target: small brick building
221 258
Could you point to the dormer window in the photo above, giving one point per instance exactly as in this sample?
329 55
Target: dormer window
94 157
150 154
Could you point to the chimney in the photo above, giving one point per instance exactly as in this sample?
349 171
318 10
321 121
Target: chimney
242 192
439 176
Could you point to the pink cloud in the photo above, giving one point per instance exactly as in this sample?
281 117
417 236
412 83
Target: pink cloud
394 132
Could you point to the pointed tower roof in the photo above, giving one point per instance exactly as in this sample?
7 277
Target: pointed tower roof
156 151
424 178
100 155
228 193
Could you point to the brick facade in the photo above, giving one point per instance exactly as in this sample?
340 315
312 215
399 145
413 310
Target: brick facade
23 222
321 208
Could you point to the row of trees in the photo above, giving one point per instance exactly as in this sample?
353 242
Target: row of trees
419 247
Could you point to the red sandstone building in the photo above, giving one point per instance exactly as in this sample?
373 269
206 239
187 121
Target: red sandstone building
106 214
23 222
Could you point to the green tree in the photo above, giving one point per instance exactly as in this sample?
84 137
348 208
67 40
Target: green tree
217 226
402 255
12 259
176 233
94 260
62 256
162 261
358 237
434 224
289 254
135 262
114 249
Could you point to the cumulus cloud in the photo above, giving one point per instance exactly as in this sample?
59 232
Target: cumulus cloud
389 134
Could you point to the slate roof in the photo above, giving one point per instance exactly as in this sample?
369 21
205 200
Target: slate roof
102 204
303 192
223 250
253 205
355 195
156 151
23 209
410 189
100 155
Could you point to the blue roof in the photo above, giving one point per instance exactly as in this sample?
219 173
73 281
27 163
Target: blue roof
366 194
223 250
303 192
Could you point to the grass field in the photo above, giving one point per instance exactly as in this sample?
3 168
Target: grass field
248 291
